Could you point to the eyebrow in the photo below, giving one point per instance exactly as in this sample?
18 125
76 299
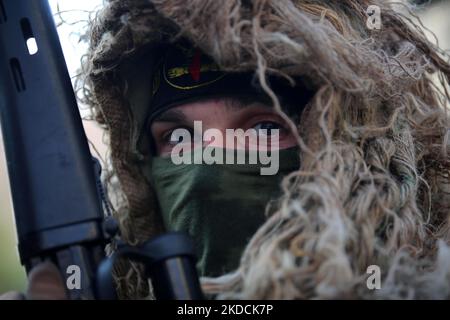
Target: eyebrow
231 103
171 115
237 103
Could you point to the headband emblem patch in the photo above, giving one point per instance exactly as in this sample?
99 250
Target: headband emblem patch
187 69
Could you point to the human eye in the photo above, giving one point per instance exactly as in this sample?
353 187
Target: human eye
268 128
176 135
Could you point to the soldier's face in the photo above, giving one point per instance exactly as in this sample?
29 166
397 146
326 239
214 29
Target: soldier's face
221 114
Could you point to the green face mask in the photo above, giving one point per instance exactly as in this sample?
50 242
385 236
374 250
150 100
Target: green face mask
220 205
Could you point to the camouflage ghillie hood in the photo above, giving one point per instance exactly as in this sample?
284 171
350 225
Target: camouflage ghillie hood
373 187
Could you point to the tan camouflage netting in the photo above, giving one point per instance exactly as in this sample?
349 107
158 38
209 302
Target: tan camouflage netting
374 183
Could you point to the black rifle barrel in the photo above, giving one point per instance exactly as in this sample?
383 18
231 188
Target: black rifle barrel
56 205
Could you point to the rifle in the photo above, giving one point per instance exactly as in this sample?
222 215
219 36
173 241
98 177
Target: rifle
54 181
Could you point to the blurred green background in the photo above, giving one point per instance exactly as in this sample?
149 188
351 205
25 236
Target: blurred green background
12 275
436 17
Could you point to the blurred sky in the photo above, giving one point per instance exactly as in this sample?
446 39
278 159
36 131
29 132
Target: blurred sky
75 14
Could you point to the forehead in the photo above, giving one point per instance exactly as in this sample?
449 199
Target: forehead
212 106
